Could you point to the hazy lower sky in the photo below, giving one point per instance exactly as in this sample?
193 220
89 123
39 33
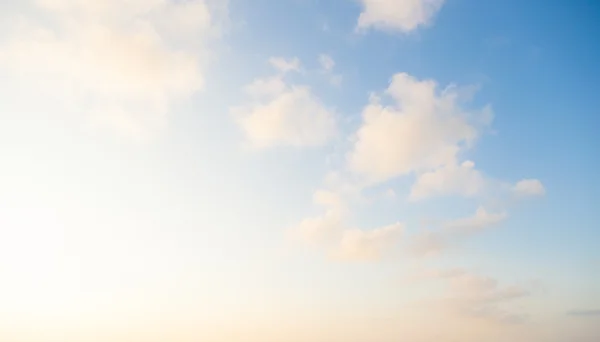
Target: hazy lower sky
299 171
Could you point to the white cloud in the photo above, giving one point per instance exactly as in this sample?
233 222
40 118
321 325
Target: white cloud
480 220
397 15
280 114
451 179
285 65
529 188
123 62
371 245
425 130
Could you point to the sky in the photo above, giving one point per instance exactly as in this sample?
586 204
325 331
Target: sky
299 170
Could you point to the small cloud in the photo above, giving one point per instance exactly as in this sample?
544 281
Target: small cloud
281 114
394 15
529 188
285 65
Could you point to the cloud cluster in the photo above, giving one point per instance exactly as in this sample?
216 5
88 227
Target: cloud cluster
123 63
423 133
397 15
282 114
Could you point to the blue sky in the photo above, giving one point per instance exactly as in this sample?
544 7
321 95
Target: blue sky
324 167
538 75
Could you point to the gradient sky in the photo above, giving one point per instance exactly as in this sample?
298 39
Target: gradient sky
299 170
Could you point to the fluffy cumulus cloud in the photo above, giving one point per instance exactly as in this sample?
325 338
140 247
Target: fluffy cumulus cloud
123 63
283 114
397 15
423 130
